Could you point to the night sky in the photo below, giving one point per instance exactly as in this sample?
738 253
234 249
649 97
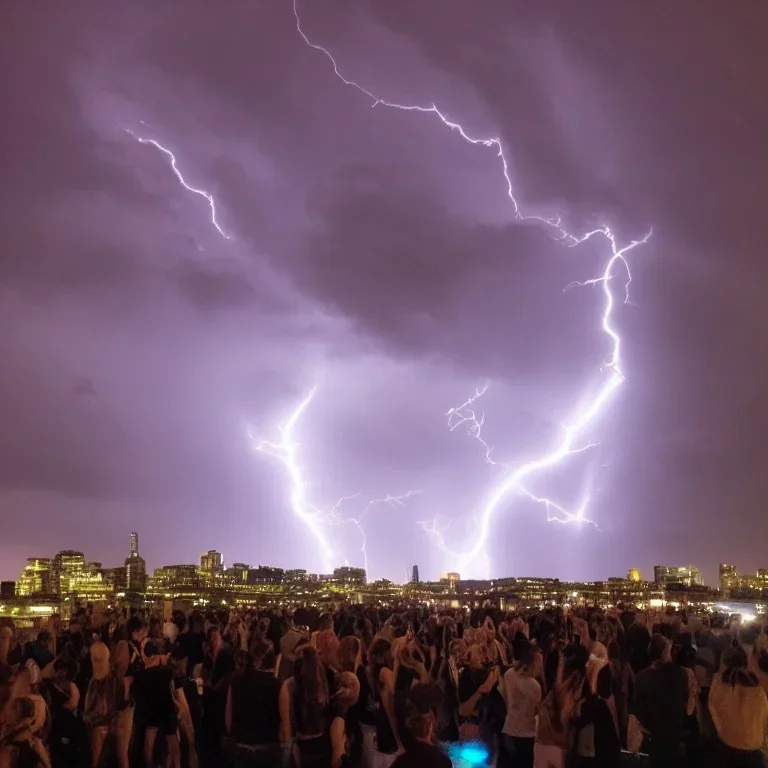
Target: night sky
375 255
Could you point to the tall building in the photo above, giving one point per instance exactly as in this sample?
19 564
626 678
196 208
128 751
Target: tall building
415 574
67 567
688 575
211 563
728 577
135 567
35 579
633 574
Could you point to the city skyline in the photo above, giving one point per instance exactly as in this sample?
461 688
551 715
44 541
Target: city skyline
244 309
212 562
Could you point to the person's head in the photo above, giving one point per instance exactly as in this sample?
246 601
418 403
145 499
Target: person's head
476 656
420 723
529 658
380 653
99 660
137 629
153 655
64 669
213 639
325 622
264 656
659 649
327 645
349 654
734 658
347 690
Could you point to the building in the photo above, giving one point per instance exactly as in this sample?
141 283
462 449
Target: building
7 590
687 575
450 580
238 573
66 565
35 579
211 563
349 576
728 578
633 574
415 575
115 579
264 575
135 567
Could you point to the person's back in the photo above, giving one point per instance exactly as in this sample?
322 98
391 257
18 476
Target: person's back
739 707
661 699
255 713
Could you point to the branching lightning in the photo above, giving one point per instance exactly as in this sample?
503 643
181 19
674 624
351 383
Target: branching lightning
174 167
315 518
512 479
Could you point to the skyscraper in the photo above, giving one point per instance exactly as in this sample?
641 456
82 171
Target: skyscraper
68 565
415 575
135 567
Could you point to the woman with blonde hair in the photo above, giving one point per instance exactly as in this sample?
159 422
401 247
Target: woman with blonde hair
103 700
739 710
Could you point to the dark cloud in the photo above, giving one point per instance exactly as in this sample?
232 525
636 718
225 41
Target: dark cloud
374 253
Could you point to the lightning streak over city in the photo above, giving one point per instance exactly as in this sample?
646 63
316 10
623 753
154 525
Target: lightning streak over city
315 518
571 440
174 167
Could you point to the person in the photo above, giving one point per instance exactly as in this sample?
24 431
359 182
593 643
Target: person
218 665
67 740
475 682
661 704
382 683
739 710
522 694
156 698
252 710
421 751
597 723
409 670
103 700
303 703
341 737
20 743
554 724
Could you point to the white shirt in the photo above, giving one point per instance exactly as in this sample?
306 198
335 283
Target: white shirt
523 696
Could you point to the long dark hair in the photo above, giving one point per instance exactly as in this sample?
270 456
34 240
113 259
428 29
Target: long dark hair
310 697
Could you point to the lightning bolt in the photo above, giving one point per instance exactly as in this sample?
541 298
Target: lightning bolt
175 168
512 480
315 518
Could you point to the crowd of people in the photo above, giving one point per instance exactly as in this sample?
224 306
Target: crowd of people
366 687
